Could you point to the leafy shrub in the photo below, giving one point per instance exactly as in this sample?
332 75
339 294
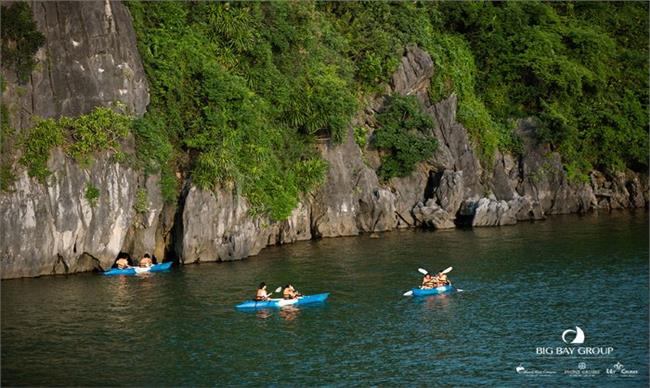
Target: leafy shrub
360 136
92 194
37 143
141 204
401 135
101 129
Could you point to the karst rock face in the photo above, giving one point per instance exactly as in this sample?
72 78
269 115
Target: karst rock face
90 59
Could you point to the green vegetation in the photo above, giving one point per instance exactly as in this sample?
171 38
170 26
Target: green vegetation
80 137
20 39
581 68
402 136
92 194
239 91
37 144
360 136
141 204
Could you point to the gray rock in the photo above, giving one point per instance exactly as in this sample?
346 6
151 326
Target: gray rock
295 228
218 227
413 75
455 151
89 59
432 215
52 229
492 212
449 191
409 191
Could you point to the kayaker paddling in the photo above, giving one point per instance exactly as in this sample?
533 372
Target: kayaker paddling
428 282
442 279
261 293
289 292
432 284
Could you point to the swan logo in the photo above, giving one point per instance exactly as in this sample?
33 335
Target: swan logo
579 336
520 368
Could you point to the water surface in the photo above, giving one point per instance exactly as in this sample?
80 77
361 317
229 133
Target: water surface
523 286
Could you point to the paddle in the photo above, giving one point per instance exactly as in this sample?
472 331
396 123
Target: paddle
424 272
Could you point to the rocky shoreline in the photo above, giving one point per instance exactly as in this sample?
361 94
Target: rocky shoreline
52 229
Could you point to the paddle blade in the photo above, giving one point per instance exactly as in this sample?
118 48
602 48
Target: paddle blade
408 293
423 271
278 289
448 270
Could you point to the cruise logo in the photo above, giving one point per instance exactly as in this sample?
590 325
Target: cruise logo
575 337
579 336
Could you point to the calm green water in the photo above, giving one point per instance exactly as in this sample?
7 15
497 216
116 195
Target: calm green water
523 286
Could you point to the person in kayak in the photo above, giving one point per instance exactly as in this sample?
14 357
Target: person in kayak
289 292
428 282
442 279
261 293
123 261
146 261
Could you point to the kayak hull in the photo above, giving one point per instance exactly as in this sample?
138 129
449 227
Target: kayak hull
138 270
276 303
433 291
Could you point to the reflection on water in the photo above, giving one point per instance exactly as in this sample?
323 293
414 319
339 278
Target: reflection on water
263 313
523 286
289 313
433 302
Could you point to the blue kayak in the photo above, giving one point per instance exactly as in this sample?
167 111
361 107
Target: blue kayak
433 291
253 304
138 270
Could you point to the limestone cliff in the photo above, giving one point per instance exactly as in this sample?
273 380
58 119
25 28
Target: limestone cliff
90 59
452 188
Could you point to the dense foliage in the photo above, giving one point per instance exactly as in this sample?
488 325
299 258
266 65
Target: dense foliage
240 90
100 130
403 136
20 39
581 68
